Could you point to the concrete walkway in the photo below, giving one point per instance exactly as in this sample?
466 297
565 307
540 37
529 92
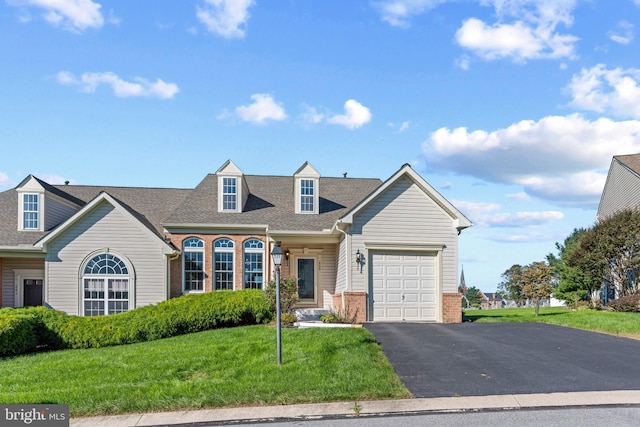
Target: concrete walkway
379 407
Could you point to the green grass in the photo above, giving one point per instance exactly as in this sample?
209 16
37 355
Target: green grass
219 368
624 324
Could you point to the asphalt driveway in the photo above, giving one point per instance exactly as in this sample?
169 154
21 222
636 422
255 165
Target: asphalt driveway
479 359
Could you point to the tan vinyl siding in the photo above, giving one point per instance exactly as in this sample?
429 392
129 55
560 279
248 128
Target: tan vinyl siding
404 214
8 277
56 212
104 228
621 191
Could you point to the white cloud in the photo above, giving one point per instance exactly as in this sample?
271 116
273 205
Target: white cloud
532 237
519 196
562 159
311 115
526 29
263 108
607 91
72 15
140 87
404 126
623 33
484 214
4 180
399 12
356 115
225 17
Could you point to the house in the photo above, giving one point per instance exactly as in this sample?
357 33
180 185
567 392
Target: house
491 300
621 191
622 187
386 249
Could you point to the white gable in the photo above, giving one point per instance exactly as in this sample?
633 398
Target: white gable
230 169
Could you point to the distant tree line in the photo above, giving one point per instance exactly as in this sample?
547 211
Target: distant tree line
605 255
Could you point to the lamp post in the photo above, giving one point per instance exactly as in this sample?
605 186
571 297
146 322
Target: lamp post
276 254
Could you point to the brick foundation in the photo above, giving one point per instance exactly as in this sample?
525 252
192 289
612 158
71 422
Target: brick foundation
452 308
353 301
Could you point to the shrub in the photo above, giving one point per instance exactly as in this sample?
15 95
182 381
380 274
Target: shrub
288 293
340 316
49 329
627 304
17 332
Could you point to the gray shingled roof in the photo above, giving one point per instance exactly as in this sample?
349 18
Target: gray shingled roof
632 161
149 205
271 201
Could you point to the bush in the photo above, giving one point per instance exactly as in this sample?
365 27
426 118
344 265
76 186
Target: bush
17 332
288 293
50 329
627 304
340 316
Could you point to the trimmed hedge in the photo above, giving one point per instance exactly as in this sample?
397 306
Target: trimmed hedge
25 330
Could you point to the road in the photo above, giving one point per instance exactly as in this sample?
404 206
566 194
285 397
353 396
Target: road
562 417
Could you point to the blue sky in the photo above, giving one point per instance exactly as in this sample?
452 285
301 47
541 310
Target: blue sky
511 109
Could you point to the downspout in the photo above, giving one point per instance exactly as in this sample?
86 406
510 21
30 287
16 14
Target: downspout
346 259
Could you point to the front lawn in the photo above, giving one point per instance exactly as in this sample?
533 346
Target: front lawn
615 323
218 368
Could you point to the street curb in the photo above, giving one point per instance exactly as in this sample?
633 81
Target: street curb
377 407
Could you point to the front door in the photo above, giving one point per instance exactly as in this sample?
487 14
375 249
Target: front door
32 292
306 279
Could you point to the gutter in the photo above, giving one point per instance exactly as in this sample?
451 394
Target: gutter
347 259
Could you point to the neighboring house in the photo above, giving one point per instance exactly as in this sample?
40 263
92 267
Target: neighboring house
621 191
622 188
491 300
388 249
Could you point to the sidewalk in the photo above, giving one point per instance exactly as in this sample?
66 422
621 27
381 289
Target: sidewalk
378 407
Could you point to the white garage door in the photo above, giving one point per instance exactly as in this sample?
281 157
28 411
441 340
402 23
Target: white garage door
403 285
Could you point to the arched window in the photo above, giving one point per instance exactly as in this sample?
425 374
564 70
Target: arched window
253 264
193 265
223 264
106 286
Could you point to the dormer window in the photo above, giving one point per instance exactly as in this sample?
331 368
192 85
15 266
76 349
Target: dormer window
30 211
307 193
229 194
307 189
232 188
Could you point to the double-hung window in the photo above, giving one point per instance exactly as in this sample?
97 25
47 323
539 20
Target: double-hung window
193 265
229 194
30 211
223 264
253 264
307 193
106 286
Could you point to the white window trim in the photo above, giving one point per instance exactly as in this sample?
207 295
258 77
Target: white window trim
21 211
238 193
204 265
105 283
217 250
299 195
131 277
253 251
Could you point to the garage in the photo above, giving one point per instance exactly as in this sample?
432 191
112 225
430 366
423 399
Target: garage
403 286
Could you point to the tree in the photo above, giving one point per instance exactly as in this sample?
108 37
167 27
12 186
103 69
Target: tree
474 296
537 282
511 286
610 252
572 285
